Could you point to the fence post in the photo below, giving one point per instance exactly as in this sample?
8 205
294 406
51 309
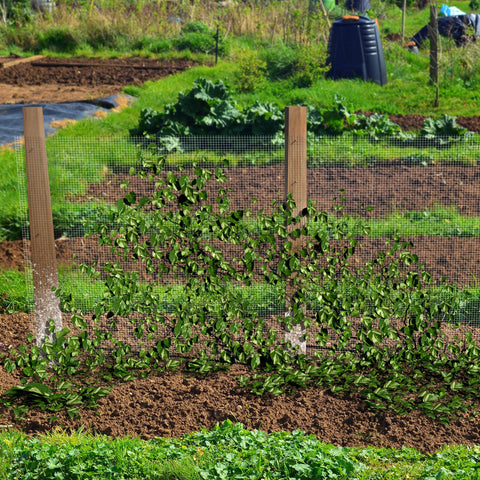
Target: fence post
296 185
42 241
433 36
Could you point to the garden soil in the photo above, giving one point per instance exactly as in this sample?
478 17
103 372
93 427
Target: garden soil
175 403
56 80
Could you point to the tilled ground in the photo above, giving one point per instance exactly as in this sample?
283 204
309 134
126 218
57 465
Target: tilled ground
171 404
56 80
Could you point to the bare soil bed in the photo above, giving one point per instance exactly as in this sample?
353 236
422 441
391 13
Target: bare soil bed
56 80
172 404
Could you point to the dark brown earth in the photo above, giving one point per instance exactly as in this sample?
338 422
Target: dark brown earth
172 404
56 80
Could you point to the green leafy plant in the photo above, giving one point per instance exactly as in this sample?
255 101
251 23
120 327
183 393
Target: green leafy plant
443 131
376 126
207 109
376 329
310 66
332 121
251 71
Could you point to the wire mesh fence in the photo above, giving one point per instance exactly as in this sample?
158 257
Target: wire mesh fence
425 192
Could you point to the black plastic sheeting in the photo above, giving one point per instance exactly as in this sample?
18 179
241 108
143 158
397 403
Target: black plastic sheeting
11 116
456 27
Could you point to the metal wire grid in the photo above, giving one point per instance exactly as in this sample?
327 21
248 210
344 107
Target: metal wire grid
257 165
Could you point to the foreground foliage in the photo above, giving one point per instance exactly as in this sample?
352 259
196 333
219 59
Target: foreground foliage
228 451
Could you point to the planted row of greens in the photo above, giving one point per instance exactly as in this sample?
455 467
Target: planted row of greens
257 299
227 451
209 109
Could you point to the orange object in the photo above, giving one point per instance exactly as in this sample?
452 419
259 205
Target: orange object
350 18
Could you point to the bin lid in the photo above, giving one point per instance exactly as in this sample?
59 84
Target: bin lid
347 20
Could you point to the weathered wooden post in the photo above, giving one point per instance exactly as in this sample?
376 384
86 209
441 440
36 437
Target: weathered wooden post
42 241
404 14
433 36
296 185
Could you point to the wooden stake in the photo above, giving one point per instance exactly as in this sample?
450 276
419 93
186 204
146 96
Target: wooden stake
44 262
296 185
433 36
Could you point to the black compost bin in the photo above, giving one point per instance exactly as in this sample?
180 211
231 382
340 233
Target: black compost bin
355 50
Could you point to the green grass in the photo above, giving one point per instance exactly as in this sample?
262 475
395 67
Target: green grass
257 299
438 221
14 296
228 451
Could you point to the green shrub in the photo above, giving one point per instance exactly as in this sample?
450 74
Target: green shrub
196 27
152 44
57 39
310 65
280 60
196 42
198 38
101 35
251 71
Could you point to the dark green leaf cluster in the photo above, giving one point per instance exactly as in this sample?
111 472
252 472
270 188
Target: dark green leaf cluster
443 131
208 109
49 373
